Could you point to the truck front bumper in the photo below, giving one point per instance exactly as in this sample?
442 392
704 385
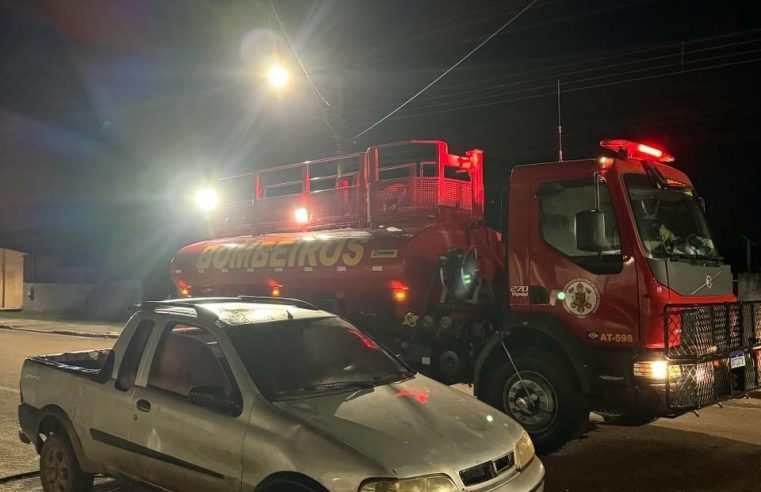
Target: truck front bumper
712 352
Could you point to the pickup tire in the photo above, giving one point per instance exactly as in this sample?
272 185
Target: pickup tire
547 401
59 468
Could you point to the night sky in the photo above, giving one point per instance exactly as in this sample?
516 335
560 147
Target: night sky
111 112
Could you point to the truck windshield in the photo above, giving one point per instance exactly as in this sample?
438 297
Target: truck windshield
298 358
670 221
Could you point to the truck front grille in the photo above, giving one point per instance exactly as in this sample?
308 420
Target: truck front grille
705 330
700 342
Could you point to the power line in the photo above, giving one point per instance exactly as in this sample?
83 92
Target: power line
555 73
534 88
296 56
583 88
321 99
501 28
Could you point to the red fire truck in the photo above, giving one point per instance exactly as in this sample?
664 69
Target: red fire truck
604 293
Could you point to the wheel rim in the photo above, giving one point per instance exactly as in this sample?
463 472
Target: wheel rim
56 470
531 401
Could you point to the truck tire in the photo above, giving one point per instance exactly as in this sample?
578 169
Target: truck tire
547 402
59 468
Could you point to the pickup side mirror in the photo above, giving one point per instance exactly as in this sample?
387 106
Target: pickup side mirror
212 397
590 231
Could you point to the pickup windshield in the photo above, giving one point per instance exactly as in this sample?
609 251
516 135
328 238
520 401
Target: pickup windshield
297 358
670 221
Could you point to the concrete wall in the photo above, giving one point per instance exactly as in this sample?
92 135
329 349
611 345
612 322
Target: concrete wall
11 279
749 286
105 301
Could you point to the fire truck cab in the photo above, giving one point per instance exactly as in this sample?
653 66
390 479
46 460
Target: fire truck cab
604 293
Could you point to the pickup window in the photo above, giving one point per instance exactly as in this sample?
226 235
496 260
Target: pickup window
188 357
131 360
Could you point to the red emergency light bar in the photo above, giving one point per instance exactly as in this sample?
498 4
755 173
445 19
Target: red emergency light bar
635 150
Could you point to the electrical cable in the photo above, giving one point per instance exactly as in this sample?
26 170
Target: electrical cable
565 75
500 29
577 89
296 55
336 137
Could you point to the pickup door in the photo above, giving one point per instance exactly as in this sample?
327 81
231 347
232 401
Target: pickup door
174 443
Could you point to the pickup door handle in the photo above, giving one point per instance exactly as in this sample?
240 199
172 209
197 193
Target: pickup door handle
143 405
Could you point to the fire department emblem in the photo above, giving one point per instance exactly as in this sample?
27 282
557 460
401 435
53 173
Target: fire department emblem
582 298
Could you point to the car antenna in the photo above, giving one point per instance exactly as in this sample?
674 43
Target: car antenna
290 316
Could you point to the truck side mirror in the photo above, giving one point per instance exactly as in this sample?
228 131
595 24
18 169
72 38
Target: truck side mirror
590 231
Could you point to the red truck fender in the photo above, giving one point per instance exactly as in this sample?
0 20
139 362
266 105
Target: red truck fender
532 329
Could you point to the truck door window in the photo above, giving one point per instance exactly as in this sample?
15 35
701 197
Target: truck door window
131 360
559 202
187 357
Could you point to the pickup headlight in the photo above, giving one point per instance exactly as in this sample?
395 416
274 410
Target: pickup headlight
524 451
432 483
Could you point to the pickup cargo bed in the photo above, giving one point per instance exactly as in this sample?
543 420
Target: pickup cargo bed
88 363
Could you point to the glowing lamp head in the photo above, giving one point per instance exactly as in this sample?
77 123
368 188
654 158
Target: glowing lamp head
301 215
206 199
278 76
399 292
184 289
635 150
275 287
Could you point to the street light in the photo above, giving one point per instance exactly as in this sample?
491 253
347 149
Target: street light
278 76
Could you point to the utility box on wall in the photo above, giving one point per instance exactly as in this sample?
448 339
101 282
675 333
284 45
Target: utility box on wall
11 279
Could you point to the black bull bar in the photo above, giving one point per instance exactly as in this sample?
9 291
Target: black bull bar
713 352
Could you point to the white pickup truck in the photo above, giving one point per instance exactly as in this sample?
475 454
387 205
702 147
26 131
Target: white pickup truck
260 394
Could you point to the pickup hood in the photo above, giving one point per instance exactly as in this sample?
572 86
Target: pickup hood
413 427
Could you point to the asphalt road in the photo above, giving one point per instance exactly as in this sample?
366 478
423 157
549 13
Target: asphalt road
719 450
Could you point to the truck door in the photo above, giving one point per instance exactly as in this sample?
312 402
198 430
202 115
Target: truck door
181 445
593 293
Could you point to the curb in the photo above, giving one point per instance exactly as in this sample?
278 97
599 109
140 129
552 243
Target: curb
63 332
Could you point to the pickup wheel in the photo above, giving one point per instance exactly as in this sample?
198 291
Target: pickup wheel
545 399
59 468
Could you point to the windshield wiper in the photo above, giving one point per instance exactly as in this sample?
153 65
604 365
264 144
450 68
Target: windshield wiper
332 386
395 377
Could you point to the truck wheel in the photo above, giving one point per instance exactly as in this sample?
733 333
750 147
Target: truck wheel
59 469
546 402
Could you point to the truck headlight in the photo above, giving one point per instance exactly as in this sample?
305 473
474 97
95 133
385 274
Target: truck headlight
524 451
431 483
656 369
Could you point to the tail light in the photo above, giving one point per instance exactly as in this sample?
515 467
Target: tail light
184 288
275 288
399 292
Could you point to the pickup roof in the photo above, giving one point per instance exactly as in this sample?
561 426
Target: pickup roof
223 394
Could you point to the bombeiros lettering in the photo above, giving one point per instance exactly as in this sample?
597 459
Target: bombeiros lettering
286 253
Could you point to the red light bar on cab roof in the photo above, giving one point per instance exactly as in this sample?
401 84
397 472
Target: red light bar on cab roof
635 150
